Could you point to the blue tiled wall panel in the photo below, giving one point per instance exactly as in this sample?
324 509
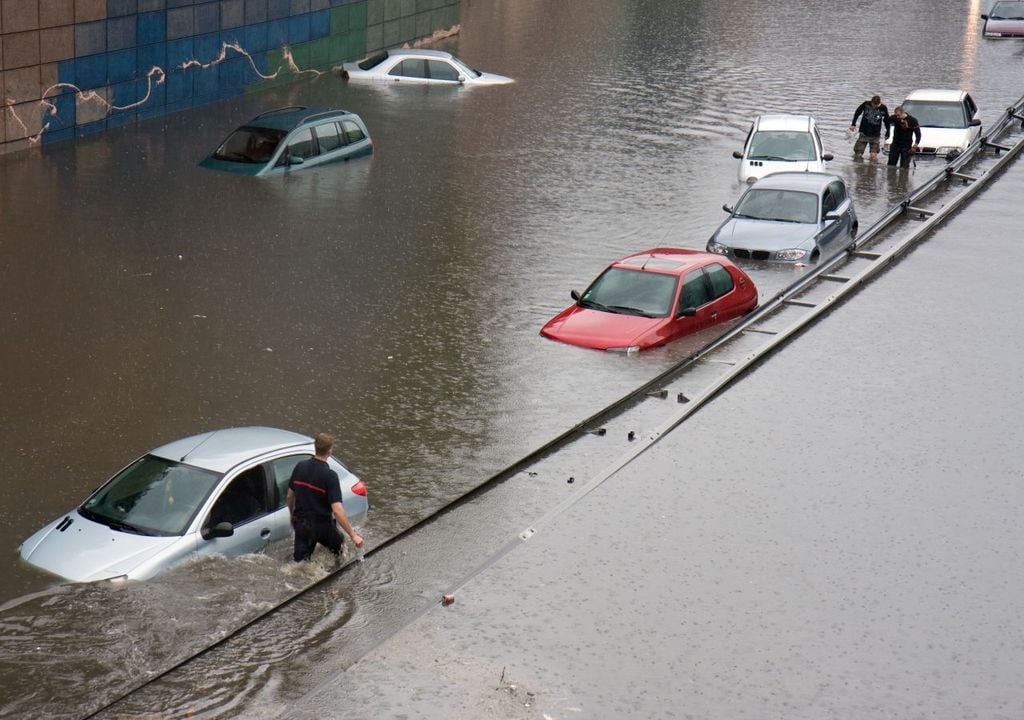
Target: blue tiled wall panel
91 72
58 135
151 28
65 115
206 84
207 47
121 65
298 29
277 33
255 39
179 51
319 24
91 128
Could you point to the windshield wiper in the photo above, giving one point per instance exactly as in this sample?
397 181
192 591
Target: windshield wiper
593 305
631 311
767 157
781 220
112 523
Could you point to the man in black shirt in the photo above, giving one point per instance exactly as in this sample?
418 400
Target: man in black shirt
314 497
873 114
906 134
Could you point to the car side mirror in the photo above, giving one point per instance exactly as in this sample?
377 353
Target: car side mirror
727 209
294 160
462 78
687 312
984 17
737 154
828 156
574 295
221 529
975 121
832 216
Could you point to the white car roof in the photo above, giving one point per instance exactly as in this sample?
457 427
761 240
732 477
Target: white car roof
784 122
937 95
416 52
221 450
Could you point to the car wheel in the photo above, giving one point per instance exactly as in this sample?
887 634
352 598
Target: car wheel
815 255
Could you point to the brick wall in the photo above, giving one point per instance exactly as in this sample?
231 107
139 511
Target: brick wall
72 67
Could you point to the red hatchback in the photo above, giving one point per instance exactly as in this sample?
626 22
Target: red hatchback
654 297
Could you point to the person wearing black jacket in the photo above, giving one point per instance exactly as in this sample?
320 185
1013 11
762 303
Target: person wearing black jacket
872 114
906 134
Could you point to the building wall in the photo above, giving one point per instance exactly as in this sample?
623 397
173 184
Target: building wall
74 67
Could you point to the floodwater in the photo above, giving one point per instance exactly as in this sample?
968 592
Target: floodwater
393 301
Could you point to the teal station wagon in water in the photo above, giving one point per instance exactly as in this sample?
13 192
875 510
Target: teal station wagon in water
291 138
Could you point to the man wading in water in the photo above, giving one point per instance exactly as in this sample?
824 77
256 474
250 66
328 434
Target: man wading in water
314 497
872 114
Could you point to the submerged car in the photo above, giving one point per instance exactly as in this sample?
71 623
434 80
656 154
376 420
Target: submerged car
949 121
653 297
1004 20
418 66
787 217
290 138
216 493
780 143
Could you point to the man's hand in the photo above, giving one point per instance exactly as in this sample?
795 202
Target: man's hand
853 127
357 539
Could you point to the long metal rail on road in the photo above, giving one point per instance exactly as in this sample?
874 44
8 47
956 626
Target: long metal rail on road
767 329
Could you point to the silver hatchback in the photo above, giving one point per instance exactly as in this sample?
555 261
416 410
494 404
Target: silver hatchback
788 217
217 493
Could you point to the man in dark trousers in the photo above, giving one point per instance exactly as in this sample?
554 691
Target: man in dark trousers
314 497
906 134
873 114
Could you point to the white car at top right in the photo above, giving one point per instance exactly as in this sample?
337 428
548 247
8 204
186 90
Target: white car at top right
1004 20
949 121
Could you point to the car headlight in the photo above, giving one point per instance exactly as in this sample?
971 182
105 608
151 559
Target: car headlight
630 349
791 254
717 247
948 150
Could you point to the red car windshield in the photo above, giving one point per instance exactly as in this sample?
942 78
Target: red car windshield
631 292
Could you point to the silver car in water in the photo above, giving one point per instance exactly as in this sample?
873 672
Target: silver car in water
417 66
216 493
788 217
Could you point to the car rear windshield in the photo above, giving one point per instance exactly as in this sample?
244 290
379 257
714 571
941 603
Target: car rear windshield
152 496
250 145
373 61
778 205
937 114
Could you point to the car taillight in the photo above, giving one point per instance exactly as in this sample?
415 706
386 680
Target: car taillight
359 488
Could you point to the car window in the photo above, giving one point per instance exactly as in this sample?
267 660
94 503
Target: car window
695 291
937 114
828 202
972 109
282 471
779 205
328 137
244 499
631 292
838 192
152 495
410 68
778 145
441 70
352 131
302 145
721 280
373 61
250 145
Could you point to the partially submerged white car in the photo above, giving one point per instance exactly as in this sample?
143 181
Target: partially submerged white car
949 121
418 66
781 143
217 493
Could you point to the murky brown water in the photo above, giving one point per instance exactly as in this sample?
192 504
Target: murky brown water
394 301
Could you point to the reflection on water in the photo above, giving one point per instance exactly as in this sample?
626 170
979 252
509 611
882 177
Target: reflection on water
396 300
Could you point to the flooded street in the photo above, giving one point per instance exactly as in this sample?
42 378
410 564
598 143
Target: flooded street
395 301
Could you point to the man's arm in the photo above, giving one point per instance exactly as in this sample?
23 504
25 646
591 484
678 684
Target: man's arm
917 133
291 505
856 114
339 514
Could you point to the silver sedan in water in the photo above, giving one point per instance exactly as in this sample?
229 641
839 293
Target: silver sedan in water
217 493
787 217
417 66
